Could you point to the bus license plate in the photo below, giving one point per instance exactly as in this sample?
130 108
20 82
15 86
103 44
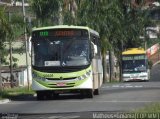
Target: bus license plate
61 84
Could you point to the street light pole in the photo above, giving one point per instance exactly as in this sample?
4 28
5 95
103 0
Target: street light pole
25 33
11 65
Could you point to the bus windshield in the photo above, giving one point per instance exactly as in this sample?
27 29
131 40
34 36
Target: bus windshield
56 51
134 65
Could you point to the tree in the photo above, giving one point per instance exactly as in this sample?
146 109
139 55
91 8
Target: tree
11 26
45 10
4 30
16 25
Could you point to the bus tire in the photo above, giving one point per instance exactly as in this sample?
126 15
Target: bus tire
96 92
90 93
82 94
40 95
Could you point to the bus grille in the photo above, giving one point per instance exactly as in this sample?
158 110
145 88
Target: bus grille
61 78
60 86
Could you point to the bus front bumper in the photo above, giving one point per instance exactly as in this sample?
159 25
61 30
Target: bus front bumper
36 86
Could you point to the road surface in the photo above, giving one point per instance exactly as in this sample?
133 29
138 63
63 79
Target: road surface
119 97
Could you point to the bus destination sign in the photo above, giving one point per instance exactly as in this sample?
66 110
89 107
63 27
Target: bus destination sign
133 57
60 33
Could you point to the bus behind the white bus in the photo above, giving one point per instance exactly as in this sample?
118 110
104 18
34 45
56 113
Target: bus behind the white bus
135 65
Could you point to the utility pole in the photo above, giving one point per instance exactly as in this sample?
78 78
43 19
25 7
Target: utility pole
11 66
25 34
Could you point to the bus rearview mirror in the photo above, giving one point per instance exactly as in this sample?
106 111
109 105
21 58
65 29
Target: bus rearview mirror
93 49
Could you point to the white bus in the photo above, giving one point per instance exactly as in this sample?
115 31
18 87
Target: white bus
135 65
66 59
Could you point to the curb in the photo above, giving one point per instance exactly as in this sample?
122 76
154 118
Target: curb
156 63
3 101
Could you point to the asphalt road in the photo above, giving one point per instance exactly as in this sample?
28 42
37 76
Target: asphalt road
113 98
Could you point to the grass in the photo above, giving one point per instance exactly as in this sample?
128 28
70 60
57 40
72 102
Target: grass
14 92
151 111
152 108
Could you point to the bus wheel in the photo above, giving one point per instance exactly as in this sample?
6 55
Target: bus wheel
90 93
96 92
40 95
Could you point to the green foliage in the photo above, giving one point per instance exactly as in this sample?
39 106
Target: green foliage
152 108
103 16
17 25
44 9
4 31
68 18
4 27
15 92
11 27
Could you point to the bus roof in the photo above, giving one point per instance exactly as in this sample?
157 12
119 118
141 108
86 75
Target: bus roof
133 51
66 27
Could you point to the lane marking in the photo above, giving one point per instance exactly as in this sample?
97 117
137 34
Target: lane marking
64 117
116 86
138 86
124 86
114 101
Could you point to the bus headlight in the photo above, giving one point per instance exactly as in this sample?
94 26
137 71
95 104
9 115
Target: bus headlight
88 73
